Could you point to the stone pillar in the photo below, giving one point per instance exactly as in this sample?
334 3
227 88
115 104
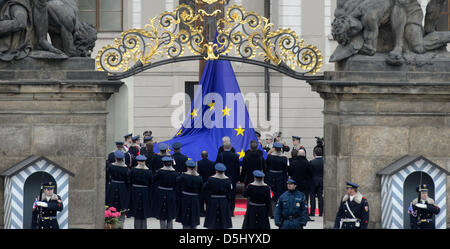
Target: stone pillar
57 109
373 115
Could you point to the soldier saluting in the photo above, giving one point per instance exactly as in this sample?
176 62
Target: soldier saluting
46 208
422 212
354 210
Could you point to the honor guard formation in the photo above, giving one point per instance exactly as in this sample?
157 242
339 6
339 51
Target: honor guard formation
171 187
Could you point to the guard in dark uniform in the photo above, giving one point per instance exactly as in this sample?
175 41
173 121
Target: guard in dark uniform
422 213
354 210
147 134
205 168
253 160
134 150
45 208
141 183
158 163
258 203
291 211
317 178
277 172
119 190
120 146
144 150
189 188
231 162
297 145
180 159
164 202
277 137
128 141
218 189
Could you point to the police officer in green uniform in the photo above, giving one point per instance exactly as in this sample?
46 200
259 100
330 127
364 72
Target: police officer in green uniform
422 212
354 210
291 211
46 207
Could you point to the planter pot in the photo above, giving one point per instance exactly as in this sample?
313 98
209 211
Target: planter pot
109 226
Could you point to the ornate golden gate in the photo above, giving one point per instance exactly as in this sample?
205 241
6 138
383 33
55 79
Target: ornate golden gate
241 36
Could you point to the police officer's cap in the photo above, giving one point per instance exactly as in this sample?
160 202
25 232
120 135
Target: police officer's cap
422 188
352 185
146 139
296 137
119 143
258 174
135 138
220 167
176 145
128 135
190 164
277 145
167 159
49 185
291 181
163 146
119 154
141 158
258 134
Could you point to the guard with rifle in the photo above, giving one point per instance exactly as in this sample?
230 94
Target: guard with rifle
354 210
422 212
45 208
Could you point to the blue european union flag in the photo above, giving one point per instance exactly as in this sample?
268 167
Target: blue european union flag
218 110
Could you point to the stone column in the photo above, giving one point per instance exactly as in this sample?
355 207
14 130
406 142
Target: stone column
373 115
57 109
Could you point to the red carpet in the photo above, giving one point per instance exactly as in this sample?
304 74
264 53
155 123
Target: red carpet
241 207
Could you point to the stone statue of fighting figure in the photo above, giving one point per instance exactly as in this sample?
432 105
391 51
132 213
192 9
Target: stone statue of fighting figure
25 25
394 26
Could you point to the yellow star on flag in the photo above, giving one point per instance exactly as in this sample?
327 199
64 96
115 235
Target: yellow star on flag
240 131
226 111
179 132
241 154
194 113
211 106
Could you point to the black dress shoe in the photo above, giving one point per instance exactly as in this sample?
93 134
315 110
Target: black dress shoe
309 219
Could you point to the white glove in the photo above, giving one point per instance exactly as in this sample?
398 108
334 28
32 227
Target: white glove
42 204
420 205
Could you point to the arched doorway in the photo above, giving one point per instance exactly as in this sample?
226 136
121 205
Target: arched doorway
409 192
31 190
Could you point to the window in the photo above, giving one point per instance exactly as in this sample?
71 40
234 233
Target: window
444 21
190 89
105 15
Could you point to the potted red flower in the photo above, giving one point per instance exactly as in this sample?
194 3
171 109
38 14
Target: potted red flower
111 217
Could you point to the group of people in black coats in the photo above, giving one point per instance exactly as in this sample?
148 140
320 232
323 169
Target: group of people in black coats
308 175
143 184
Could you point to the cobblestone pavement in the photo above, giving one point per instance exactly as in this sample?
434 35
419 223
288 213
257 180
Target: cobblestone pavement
153 223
